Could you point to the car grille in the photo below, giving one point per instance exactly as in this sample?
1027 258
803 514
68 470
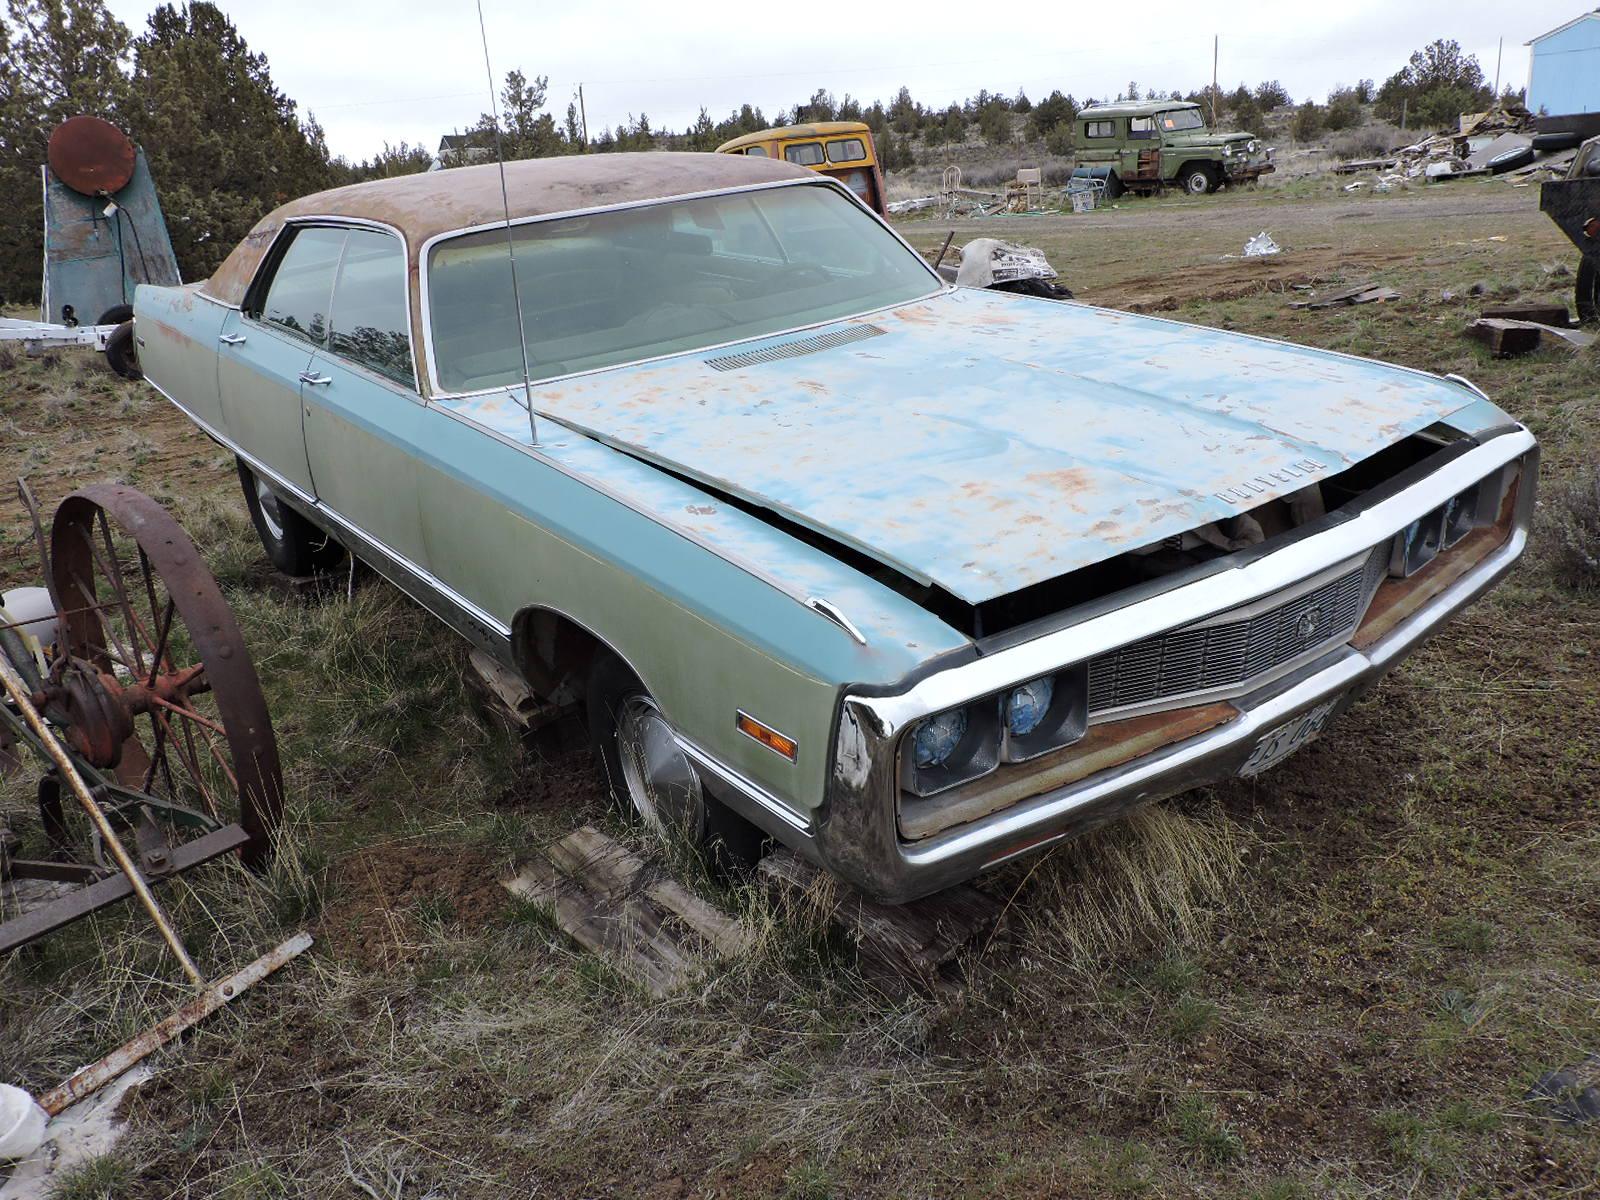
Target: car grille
1226 654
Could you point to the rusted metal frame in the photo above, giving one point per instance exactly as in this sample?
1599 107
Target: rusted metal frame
93 608
113 574
58 754
91 1079
217 641
105 892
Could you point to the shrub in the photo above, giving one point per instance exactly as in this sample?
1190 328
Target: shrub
1574 539
1059 140
1307 122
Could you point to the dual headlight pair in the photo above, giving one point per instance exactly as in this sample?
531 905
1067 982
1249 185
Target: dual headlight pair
962 744
1419 543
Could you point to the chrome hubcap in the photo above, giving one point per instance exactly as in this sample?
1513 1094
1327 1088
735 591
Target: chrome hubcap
271 514
662 784
1197 185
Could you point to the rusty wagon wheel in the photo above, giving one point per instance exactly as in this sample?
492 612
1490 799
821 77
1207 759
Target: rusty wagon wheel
154 686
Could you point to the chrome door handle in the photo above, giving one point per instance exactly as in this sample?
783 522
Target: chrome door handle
314 379
231 339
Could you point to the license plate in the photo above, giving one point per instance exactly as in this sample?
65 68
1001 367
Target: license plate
1287 738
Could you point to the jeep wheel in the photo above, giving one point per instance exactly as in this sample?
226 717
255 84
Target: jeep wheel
1197 180
647 774
295 546
1588 291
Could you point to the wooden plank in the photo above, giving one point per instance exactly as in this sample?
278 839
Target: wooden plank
1505 338
910 940
1539 313
610 901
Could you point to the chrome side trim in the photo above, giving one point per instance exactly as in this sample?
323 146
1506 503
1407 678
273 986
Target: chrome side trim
828 609
435 392
743 786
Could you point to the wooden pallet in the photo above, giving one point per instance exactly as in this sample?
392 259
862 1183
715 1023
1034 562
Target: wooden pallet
646 924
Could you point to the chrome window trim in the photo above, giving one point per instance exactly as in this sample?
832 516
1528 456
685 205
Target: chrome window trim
424 252
341 222
1195 601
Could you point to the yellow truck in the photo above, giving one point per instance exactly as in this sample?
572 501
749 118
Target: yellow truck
842 149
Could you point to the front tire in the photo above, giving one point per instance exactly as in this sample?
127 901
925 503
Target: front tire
647 775
1197 181
295 546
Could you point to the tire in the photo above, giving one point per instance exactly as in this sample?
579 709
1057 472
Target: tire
1549 143
116 315
648 777
1114 187
1510 160
295 546
1197 180
122 352
1588 292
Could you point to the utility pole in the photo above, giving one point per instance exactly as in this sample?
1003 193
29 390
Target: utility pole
1216 42
1498 54
583 116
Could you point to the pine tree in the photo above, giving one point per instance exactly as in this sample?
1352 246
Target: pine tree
58 58
224 144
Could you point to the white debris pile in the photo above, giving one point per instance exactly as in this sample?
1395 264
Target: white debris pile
1261 245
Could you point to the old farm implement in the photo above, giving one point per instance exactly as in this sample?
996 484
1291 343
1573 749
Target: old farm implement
1573 204
127 679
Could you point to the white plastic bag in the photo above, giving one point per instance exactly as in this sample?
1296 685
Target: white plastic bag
1261 244
22 1123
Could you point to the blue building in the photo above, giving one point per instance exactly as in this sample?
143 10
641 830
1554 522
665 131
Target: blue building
1564 68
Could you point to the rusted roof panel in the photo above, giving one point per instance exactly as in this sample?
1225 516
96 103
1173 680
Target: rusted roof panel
986 442
435 202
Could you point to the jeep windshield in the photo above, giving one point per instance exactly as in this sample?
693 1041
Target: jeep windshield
1183 118
638 283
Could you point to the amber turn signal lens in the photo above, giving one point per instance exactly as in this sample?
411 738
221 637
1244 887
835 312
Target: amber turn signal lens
767 736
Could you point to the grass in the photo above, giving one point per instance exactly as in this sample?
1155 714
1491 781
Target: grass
1336 980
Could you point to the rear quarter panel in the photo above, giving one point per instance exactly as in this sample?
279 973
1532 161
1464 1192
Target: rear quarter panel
177 328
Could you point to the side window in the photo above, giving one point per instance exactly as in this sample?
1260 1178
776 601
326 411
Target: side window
298 294
1141 127
1099 129
371 318
807 154
849 150
757 152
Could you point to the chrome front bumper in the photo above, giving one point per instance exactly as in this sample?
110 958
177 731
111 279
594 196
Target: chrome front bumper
858 835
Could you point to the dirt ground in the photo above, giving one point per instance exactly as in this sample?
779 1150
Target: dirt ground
1344 978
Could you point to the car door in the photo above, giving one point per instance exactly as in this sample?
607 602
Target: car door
265 349
360 402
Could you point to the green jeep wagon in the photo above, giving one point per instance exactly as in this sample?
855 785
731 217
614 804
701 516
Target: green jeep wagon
1143 147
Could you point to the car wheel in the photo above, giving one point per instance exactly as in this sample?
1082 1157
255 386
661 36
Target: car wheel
1588 291
116 315
295 546
1551 143
1510 160
1196 181
648 776
1114 186
122 352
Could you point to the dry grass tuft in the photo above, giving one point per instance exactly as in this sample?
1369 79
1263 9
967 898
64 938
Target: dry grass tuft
1157 878
1573 531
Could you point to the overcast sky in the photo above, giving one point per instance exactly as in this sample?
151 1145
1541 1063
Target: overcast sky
408 70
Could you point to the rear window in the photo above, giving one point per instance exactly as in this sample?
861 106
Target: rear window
1100 129
757 152
807 154
638 283
848 150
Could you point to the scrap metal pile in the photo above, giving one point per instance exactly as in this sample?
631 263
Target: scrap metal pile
1501 141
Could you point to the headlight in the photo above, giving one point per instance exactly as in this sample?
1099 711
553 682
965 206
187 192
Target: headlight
936 738
950 748
1252 146
1046 714
1419 543
1027 705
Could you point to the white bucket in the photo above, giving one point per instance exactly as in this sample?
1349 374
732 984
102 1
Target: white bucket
22 1123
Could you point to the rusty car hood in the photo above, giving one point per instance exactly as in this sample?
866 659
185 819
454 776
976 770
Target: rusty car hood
984 442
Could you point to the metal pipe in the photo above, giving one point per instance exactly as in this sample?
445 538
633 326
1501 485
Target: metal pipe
63 762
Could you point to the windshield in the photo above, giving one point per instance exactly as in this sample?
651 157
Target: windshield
638 283
1183 118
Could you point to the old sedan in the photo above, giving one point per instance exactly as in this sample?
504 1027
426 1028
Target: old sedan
914 578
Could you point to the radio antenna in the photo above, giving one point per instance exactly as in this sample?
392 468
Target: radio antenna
511 248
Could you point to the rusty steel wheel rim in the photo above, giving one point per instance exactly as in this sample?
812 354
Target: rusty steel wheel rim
154 668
